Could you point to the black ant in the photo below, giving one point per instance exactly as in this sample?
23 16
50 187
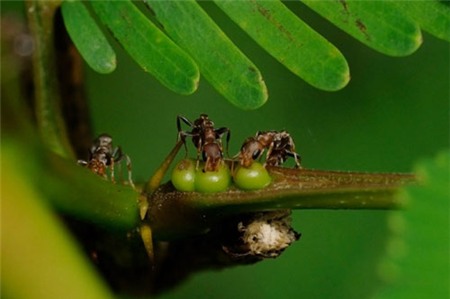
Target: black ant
206 139
102 155
279 145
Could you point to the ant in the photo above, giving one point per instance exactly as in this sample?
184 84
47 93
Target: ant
102 155
279 145
206 139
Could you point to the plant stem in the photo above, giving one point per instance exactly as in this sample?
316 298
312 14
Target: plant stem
48 111
172 213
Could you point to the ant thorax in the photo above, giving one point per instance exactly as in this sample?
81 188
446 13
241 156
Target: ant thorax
103 156
206 139
279 146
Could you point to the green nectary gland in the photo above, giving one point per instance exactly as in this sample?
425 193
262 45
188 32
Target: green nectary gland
252 178
188 177
183 175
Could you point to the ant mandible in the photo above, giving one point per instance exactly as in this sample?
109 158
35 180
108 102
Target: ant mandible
206 139
279 145
102 155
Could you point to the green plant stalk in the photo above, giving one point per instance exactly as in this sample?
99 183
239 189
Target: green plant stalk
71 189
48 111
172 213
78 192
42 259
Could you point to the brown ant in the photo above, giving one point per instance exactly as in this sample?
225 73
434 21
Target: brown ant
279 145
206 139
102 155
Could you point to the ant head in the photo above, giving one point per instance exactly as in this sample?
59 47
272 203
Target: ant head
204 122
103 140
251 150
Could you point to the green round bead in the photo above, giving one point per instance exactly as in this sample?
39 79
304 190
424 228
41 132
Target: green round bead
252 178
183 175
212 181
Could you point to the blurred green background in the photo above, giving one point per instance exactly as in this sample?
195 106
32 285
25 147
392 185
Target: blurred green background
394 112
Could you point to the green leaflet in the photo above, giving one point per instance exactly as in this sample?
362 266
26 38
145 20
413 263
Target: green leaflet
148 46
432 16
88 38
292 42
220 61
378 24
417 258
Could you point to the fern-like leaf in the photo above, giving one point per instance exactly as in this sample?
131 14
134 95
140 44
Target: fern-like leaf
220 61
390 27
88 38
148 46
304 52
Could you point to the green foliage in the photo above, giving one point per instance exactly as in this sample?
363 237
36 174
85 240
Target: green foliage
271 25
390 27
220 61
148 46
93 46
40 259
432 16
377 24
338 250
417 259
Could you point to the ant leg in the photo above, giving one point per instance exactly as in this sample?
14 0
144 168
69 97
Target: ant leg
130 179
116 156
119 170
297 158
298 161
82 163
292 152
220 132
199 150
182 136
228 141
111 171
269 152
185 120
